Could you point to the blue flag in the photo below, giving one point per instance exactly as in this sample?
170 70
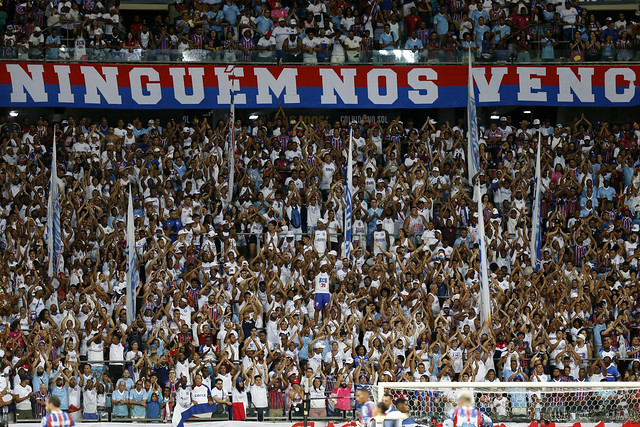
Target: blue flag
132 265
347 198
473 145
485 296
536 220
54 230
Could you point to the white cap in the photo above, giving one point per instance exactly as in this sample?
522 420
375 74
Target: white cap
503 119
635 228
536 121
436 169
334 253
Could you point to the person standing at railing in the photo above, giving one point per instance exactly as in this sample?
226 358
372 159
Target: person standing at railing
36 44
120 401
138 399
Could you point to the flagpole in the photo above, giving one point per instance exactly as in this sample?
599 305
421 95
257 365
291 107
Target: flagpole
348 195
53 185
131 263
473 146
232 148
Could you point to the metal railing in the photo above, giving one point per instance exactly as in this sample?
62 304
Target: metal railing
561 54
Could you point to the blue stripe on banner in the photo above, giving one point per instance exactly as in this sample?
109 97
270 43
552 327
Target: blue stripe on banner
194 410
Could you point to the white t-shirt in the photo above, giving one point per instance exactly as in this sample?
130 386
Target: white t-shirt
21 391
259 395
200 394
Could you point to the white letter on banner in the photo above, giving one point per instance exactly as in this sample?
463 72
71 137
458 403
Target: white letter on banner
197 85
610 84
154 88
33 84
286 83
420 85
332 84
373 88
107 85
568 84
64 95
489 92
225 75
529 83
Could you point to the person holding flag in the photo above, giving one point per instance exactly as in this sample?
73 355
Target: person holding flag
55 416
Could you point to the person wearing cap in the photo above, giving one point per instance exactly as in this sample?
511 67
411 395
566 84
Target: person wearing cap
36 44
266 47
380 240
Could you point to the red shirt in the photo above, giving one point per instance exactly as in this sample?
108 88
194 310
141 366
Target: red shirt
412 23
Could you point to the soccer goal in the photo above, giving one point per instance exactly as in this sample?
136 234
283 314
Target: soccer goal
430 402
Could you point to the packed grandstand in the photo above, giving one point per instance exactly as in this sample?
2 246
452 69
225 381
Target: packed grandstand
317 31
249 301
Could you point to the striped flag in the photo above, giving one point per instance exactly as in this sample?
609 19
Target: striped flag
374 8
347 197
473 145
485 297
132 264
232 148
54 230
536 220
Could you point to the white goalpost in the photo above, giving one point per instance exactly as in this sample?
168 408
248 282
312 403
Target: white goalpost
431 402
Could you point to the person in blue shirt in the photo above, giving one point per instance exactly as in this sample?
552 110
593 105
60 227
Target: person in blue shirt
138 398
120 400
230 12
126 380
60 391
173 225
52 44
477 14
612 373
441 22
413 43
214 18
548 44
464 238
41 377
513 372
387 40
264 22
154 403
606 191
479 31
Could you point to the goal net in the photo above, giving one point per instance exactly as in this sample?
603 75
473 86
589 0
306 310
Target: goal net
430 402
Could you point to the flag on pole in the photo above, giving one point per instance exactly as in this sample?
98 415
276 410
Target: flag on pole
347 197
232 148
54 231
536 220
132 264
374 8
485 297
473 145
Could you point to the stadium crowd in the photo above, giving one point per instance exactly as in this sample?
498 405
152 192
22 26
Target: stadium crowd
319 31
254 305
